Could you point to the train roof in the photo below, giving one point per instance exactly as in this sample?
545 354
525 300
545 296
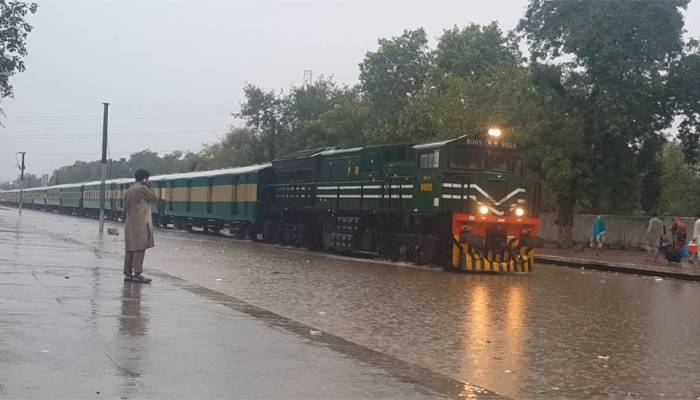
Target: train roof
184 175
72 185
214 172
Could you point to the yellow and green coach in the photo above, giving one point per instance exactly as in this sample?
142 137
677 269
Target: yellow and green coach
217 199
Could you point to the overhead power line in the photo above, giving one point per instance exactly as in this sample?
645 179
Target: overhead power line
116 134
119 153
151 115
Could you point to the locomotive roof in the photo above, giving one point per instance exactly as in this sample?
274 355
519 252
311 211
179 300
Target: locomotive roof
340 151
304 153
436 145
330 151
214 172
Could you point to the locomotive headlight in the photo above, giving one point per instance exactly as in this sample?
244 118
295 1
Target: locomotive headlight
519 212
494 132
483 210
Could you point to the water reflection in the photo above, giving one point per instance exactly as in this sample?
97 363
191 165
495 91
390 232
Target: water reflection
495 327
478 333
132 321
132 350
514 328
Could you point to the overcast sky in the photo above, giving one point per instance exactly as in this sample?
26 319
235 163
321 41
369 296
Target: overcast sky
173 70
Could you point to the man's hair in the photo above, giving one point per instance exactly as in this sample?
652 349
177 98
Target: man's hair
141 174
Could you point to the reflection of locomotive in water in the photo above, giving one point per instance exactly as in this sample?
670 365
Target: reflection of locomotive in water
462 202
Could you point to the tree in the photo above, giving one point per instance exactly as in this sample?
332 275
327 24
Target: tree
241 146
391 77
475 51
612 62
304 107
685 89
14 30
82 171
30 180
681 188
479 82
264 112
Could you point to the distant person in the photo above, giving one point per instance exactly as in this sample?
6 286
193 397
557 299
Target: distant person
696 235
679 234
598 234
670 255
138 230
655 233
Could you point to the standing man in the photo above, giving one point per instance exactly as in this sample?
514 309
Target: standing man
655 232
138 230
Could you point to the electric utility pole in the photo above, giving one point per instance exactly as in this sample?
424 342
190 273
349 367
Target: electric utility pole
104 166
21 181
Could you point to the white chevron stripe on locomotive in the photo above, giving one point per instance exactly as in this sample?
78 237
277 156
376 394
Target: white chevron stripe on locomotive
483 192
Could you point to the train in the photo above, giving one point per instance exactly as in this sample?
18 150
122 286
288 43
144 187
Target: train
465 203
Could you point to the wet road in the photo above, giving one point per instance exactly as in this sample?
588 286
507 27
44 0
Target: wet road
558 332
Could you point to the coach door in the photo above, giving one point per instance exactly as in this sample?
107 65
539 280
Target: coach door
189 196
234 196
112 196
210 197
171 192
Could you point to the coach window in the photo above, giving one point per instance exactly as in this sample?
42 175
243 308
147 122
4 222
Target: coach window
430 159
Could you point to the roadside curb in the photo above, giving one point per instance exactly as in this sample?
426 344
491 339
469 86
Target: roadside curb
683 273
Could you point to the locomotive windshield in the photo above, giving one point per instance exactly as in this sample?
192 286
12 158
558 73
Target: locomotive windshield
479 158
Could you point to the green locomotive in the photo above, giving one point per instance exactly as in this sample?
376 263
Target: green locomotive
463 202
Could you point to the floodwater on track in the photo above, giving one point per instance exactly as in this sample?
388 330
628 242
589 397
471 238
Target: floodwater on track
557 332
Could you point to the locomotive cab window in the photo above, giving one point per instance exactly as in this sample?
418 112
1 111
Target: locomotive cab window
499 161
430 159
395 154
517 163
465 157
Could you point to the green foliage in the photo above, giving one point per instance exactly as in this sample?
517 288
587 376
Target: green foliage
263 111
612 59
472 80
241 146
14 30
82 171
323 114
392 78
475 51
681 184
318 115
685 88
